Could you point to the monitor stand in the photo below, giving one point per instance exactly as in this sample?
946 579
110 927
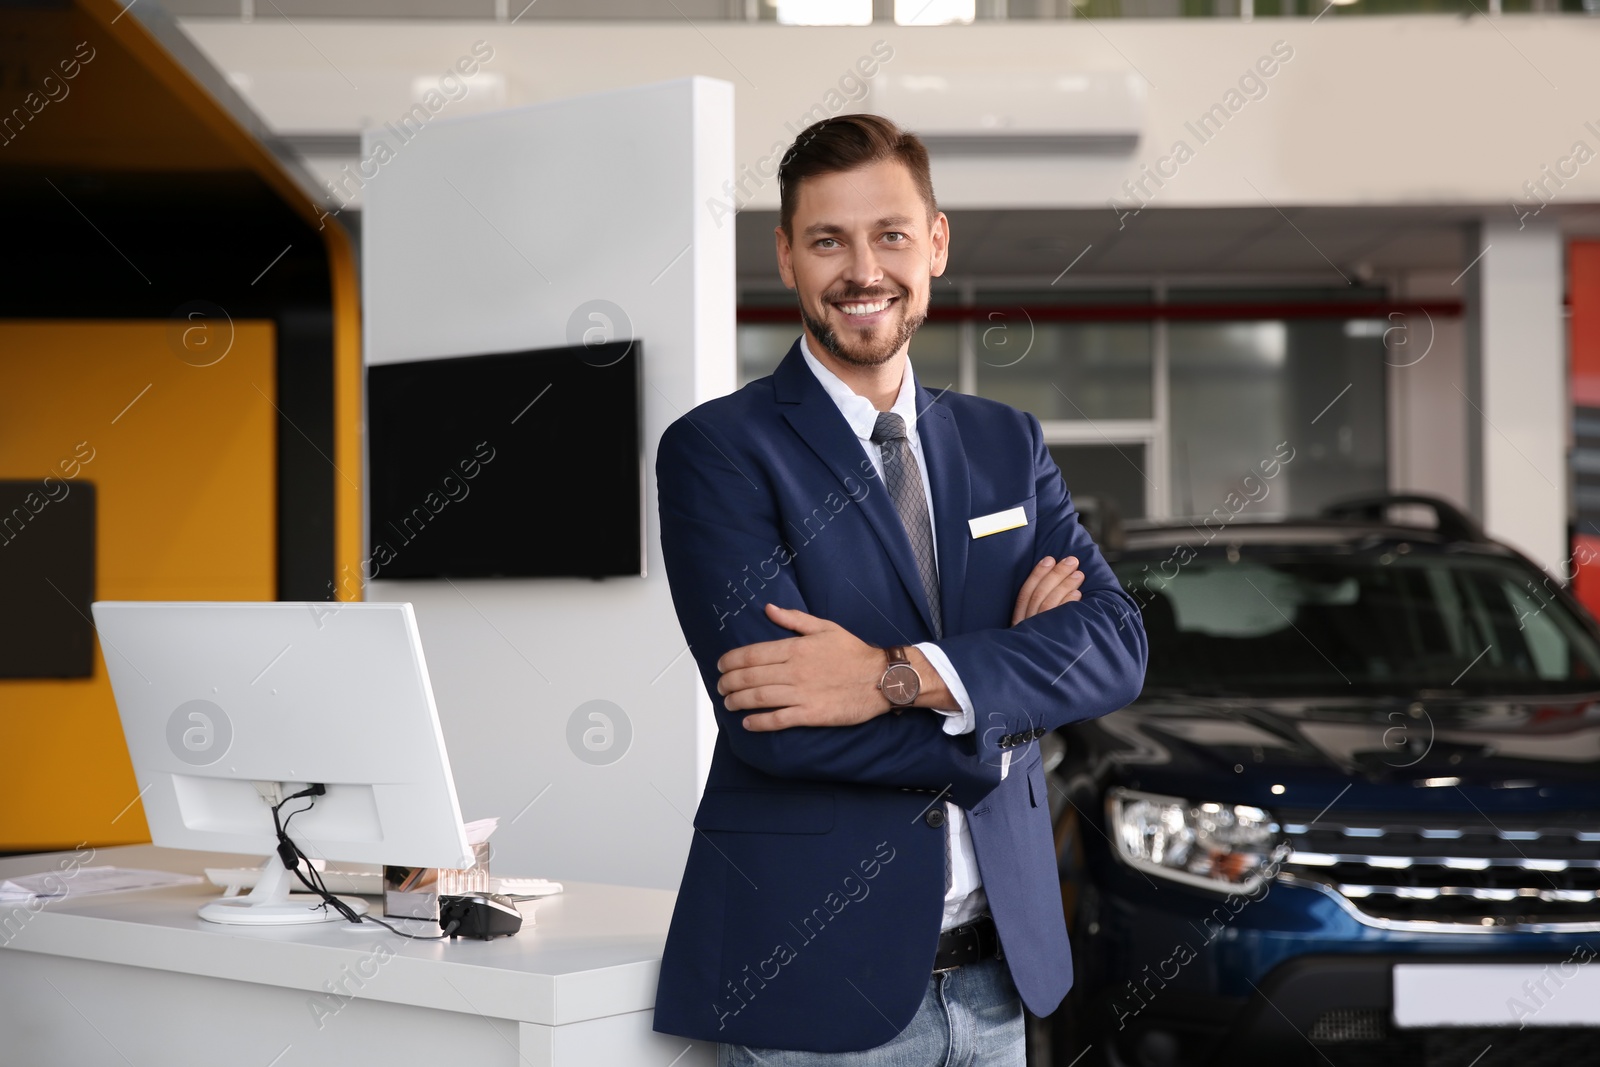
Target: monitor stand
271 904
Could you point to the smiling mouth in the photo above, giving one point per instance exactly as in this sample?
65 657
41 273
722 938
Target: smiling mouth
861 309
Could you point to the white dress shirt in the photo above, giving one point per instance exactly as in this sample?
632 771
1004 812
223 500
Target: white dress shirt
964 898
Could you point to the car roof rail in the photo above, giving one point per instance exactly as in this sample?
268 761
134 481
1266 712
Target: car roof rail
1101 517
1450 522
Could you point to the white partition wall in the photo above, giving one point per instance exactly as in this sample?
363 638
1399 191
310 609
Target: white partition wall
499 232
1523 408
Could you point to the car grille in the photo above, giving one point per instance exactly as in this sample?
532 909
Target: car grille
1366 1038
1441 869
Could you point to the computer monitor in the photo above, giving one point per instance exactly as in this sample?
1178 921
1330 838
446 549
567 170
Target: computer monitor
228 707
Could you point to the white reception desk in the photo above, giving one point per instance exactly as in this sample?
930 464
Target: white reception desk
138 978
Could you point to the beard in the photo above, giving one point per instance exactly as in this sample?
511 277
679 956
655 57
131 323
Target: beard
858 347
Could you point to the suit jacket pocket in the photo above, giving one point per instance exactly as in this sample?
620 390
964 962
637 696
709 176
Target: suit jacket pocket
765 811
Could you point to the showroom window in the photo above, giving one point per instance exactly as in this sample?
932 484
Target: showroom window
860 12
1160 404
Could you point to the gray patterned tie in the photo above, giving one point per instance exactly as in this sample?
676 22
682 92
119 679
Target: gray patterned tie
904 480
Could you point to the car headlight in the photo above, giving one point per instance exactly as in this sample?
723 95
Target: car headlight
1231 848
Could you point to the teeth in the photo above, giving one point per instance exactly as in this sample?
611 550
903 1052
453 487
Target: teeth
863 309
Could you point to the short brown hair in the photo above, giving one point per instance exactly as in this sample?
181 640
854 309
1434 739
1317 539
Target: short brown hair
847 142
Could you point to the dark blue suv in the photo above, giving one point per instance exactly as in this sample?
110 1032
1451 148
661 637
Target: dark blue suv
1354 816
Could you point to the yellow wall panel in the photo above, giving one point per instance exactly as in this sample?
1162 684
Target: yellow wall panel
183 458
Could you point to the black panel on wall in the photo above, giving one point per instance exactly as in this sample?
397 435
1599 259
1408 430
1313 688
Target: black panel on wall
305 454
47 536
469 479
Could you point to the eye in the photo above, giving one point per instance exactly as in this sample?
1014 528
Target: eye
897 233
820 243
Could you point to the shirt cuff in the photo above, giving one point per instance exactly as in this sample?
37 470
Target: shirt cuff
957 721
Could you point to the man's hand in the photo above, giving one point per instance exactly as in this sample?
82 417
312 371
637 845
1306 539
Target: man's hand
1050 584
825 677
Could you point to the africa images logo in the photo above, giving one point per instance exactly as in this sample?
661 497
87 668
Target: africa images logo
199 732
599 732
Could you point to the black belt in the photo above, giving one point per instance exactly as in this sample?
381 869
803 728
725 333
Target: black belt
970 942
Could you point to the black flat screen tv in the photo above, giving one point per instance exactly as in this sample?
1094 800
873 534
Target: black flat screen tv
510 465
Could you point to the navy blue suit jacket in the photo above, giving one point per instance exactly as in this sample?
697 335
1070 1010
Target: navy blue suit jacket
810 908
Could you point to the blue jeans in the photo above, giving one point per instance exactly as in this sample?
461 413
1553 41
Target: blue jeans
969 1017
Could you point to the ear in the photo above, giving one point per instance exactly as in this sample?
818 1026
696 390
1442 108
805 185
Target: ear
939 238
785 265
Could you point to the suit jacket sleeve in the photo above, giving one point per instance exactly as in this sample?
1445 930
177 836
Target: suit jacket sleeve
721 539
1076 661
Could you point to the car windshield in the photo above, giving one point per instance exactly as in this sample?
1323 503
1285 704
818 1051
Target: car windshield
1386 620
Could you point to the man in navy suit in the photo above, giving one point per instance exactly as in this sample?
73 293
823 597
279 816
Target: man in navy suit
890 599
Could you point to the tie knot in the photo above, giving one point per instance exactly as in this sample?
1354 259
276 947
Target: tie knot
889 427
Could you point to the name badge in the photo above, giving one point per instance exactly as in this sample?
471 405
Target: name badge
1009 519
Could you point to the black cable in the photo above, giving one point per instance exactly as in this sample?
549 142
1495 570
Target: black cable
292 857
445 932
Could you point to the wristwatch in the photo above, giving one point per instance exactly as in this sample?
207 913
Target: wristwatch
900 683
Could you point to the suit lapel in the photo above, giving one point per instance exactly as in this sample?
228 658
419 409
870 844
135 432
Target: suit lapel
815 417
952 500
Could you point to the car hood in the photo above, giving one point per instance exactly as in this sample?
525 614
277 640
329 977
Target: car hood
1532 753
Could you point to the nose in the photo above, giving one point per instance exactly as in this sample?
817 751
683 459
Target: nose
863 271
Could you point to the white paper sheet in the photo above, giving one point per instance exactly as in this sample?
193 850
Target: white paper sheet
87 880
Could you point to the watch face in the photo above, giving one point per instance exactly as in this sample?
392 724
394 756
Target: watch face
901 684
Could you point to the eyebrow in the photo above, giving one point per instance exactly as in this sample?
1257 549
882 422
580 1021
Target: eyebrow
821 228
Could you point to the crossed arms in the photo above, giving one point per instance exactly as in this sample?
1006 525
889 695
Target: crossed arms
1076 648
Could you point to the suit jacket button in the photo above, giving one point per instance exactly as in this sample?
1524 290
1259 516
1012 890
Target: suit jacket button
935 817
